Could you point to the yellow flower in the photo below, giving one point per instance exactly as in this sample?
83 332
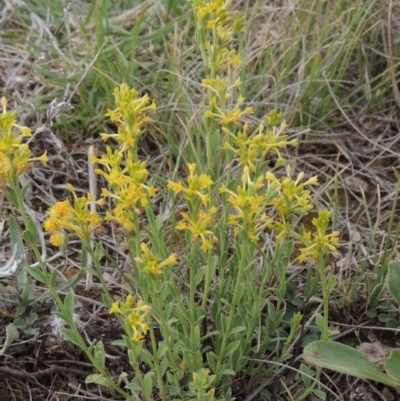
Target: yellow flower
115 308
57 238
196 185
199 226
78 218
134 317
151 263
319 244
15 156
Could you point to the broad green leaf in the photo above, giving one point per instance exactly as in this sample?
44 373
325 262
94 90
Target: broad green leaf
307 374
71 282
344 359
231 348
53 278
237 330
70 336
99 354
148 385
69 304
37 275
12 196
98 379
211 359
227 372
29 237
31 227
199 276
99 251
107 300
320 394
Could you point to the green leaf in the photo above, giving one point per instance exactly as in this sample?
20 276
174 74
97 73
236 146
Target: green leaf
70 336
240 294
31 227
69 304
25 283
107 300
53 278
163 348
71 282
15 236
37 275
11 335
211 359
306 376
148 385
84 256
60 288
344 359
20 324
120 343
134 385
237 330
98 379
199 276
231 348
227 372
316 299
99 251
99 354
393 279
12 196
320 394
147 358
320 322
32 318
29 237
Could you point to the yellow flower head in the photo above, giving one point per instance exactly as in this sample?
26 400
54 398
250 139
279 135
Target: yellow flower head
134 317
151 262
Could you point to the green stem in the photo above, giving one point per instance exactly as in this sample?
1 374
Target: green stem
325 295
157 364
192 293
232 306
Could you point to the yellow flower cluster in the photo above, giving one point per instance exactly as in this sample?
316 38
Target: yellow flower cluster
249 149
248 204
128 191
122 171
130 114
215 18
195 186
134 316
319 244
151 262
226 117
76 218
199 227
15 156
292 198
201 218
288 197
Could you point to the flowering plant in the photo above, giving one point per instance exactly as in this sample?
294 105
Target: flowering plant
205 298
